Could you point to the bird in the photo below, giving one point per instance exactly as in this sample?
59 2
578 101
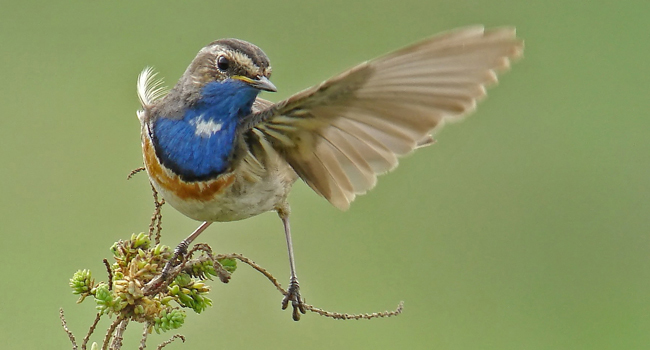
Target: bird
217 152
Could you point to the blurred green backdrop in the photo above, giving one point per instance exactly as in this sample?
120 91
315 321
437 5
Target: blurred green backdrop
525 227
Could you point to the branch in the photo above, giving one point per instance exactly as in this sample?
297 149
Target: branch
91 330
67 331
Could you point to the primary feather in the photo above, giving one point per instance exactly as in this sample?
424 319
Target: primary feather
338 136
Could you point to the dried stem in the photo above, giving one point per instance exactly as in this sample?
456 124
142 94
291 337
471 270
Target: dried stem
159 220
119 335
135 171
110 332
156 220
257 267
167 342
342 316
92 329
65 328
155 227
110 274
145 334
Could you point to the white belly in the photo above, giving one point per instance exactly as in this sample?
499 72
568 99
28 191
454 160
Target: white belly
241 200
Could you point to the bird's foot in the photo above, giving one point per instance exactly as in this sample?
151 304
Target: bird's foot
293 295
157 282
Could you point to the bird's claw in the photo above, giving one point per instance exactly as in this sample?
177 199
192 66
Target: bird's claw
163 277
297 303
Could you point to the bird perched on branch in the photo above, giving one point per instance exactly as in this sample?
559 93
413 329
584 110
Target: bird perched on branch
215 151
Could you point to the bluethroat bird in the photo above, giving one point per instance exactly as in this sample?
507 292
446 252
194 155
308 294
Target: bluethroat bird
215 151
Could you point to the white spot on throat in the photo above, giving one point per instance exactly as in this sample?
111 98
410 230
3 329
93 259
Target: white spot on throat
205 128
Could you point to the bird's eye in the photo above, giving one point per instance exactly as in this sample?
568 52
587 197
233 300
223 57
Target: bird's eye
223 63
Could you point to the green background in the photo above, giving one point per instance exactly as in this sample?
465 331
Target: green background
524 227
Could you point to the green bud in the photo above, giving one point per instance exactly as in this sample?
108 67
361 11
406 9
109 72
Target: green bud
229 265
81 282
183 279
116 250
201 303
141 240
185 300
160 248
103 297
169 319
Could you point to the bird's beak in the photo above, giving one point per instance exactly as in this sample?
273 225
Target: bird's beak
261 82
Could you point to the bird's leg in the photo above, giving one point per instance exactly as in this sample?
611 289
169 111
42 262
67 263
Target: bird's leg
293 291
180 250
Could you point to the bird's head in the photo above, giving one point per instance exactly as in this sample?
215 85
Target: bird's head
227 71
231 60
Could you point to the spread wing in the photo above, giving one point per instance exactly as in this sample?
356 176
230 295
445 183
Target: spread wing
338 136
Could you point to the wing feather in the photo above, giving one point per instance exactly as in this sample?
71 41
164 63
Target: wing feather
377 156
339 135
354 164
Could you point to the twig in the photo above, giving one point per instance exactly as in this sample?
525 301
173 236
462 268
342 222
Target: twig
343 316
119 335
176 336
110 274
91 330
110 332
155 227
159 220
145 334
65 328
257 267
135 171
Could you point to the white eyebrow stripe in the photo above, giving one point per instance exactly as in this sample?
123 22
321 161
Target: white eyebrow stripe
245 61
205 128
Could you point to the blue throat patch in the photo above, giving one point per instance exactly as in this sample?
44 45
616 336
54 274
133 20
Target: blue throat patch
200 145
